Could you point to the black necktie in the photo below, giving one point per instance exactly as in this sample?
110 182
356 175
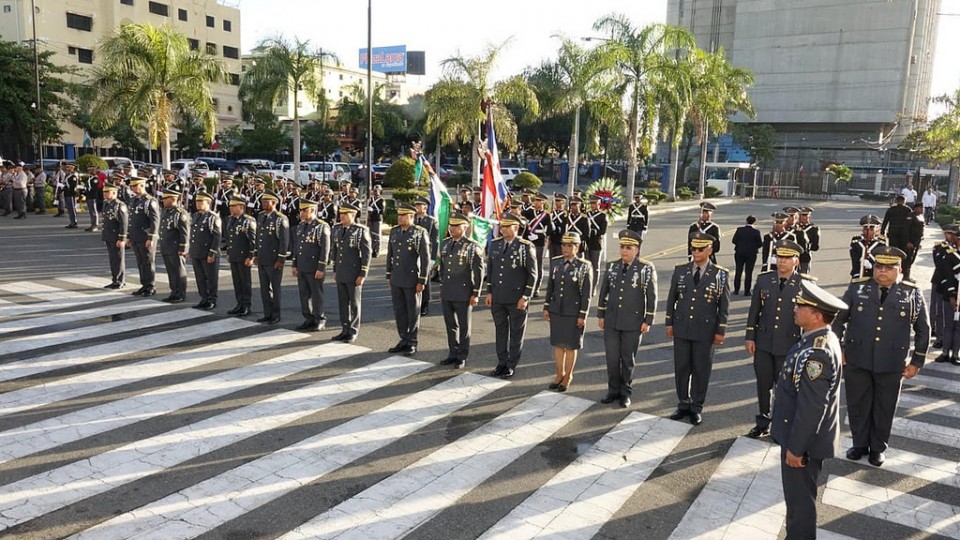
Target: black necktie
883 293
626 267
505 245
696 276
783 281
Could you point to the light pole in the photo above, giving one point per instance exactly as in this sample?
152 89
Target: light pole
369 102
36 76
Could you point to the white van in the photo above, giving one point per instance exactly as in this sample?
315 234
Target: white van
325 171
509 173
116 164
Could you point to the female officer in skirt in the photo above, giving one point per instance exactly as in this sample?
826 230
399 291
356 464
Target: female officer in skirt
565 307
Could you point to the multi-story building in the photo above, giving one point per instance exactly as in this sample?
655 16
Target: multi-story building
72 29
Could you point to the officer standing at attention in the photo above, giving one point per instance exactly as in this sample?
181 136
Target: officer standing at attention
241 243
557 225
875 333
565 307
273 247
408 264
144 230
577 222
71 188
311 255
597 241
174 244
770 328
461 275
811 232
862 246
376 208
705 226
205 234
537 220
511 275
638 216
428 222
696 320
350 254
806 411
114 234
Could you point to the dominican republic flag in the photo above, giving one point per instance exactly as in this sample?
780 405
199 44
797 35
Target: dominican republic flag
495 192
439 199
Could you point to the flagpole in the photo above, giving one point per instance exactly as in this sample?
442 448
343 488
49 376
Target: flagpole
370 106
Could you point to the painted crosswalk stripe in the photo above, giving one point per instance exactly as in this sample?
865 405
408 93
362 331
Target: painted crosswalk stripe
894 506
105 351
204 506
934 383
922 431
587 493
94 282
43 394
929 468
917 404
942 367
402 502
45 492
33 323
823 534
53 432
51 301
743 498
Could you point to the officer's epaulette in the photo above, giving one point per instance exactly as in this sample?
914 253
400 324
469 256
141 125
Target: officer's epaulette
725 269
855 239
583 260
644 261
682 264
497 238
765 273
557 257
861 279
908 284
472 241
820 342
808 277
421 228
525 241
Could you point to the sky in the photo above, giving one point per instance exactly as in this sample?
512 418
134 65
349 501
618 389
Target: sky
446 28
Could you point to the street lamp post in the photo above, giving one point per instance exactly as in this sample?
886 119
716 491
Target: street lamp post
370 104
36 76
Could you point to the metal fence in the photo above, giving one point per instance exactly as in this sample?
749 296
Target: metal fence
776 184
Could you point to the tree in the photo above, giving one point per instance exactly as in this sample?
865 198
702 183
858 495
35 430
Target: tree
760 140
939 141
190 138
671 90
280 68
149 74
388 119
320 139
268 136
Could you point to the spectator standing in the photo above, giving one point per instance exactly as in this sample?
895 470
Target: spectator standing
746 242
909 194
40 191
929 200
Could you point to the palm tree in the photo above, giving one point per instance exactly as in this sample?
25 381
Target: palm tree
452 105
671 91
149 74
353 111
282 67
646 57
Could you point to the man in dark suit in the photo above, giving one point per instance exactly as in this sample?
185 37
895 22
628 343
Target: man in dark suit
915 227
896 224
746 242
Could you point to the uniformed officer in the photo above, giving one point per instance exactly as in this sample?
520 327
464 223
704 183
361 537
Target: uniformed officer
461 275
273 248
71 189
114 235
144 230
565 307
811 232
224 193
311 255
511 275
946 263
768 251
174 244
205 234
328 209
408 263
578 222
770 328
597 241
350 254
863 245
429 223
344 193
376 208
241 244
876 346
806 411
638 216
705 226
557 225
696 320
537 219
254 206
626 309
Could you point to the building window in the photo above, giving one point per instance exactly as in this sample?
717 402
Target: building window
7 8
159 9
235 79
211 22
194 44
227 26
127 2
84 56
216 105
341 76
231 52
182 14
71 50
79 22
211 48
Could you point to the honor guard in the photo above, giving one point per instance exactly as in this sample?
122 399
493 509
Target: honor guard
71 189
224 193
205 235
461 275
811 232
705 226
565 307
696 320
537 219
144 229
327 209
273 247
254 205
429 223
114 235
770 327
350 254
876 339
597 241
375 211
578 222
408 264
863 245
768 252
344 193
792 226
174 244
626 309
310 257
638 216
945 258
194 189
806 410
511 275
464 196
241 243
557 224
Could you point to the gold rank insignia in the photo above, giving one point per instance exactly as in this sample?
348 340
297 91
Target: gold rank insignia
814 369
820 342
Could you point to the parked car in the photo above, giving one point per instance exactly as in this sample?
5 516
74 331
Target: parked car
116 164
509 173
192 165
256 163
285 170
325 171
379 171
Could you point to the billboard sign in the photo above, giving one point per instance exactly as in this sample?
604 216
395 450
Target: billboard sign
386 59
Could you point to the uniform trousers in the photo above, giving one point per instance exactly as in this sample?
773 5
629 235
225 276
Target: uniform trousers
766 366
146 262
208 278
800 494
94 211
510 324
938 310
871 403
242 283
311 297
71 204
6 200
375 237
118 264
457 317
406 310
425 296
745 265
40 199
539 252
270 279
20 201
692 363
595 256
176 275
806 263
621 352
949 329
348 300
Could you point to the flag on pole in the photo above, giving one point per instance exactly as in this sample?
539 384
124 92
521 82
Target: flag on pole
495 191
86 139
439 199
480 230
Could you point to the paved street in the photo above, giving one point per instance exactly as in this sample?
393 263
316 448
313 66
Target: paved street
123 417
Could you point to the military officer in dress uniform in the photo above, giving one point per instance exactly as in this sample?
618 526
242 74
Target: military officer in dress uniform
328 209
511 275
144 229
770 328
408 264
811 232
537 219
626 309
254 206
461 275
768 251
863 245
705 226
578 222
875 333
174 244
273 247
241 243
114 234
806 411
944 260
310 256
697 308
224 193
205 235
428 222
596 242
350 254
638 216
376 208
565 307
557 225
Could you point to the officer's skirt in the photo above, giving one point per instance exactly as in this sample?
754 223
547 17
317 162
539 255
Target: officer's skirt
564 332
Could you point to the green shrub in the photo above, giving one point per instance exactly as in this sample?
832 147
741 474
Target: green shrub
710 192
685 194
653 184
459 179
86 161
947 214
527 180
408 195
400 174
654 196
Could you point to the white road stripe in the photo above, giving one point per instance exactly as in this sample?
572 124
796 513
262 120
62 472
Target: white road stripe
894 506
922 431
97 353
402 502
53 432
33 323
62 300
823 534
43 394
204 506
929 468
588 492
43 493
743 498
917 404
934 383
941 367
94 282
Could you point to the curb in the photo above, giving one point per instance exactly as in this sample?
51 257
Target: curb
672 208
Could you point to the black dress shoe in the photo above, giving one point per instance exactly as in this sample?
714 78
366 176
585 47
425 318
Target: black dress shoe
758 432
318 326
121 285
624 402
955 361
138 292
168 298
200 305
424 312
234 311
942 358
938 344
177 300
339 337
497 371
349 339
696 418
679 414
265 319
244 312
554 386
609 398
409 350
746 293
110 286
561 388
397 348
148 292
274 320
210 306
459 364
71 226
448 360
305 325
876 459
855 453
506 373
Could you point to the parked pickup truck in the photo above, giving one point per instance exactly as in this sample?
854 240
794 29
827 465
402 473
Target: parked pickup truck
285 170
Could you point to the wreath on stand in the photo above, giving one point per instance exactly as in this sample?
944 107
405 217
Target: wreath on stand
611 197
